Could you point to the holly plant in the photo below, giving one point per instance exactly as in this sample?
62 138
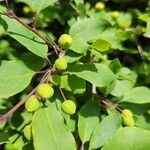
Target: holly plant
74 75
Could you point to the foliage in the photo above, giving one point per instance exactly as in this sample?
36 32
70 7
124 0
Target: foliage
93 59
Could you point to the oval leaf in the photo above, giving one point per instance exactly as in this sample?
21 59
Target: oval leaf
26 37
101 45
50 132
97 74
137 95
38 5
88 119
16 76
129 139
105 130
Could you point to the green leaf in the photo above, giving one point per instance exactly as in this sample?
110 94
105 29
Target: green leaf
138 95
124 20
101 45
97 74
50 132
73 83
4 137
129 139
71 56
110 36
79 46
88 119
120 87
144 17
115 65
26 37
38 5
16 75
147 33
86 30
105 130
17 139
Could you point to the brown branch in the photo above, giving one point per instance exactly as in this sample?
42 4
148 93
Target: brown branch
109 104
17 106
51 44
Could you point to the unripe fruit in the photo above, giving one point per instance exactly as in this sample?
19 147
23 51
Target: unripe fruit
69 107
127 113
61 64
115 14
128 121
26 9
125 24
27 132
45 91
140 29
32 104
65 41
55 80
99 6
105 57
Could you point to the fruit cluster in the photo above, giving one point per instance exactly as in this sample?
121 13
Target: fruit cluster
45 90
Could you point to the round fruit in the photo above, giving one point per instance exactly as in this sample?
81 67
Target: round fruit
99 6
140 29
45 91
26 9
65 41
128 121
27 132
127 113
55 80
32 104
115 14
69 107
61 64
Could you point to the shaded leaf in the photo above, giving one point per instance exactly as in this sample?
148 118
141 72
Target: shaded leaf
105 130
26 37
97 74
88 119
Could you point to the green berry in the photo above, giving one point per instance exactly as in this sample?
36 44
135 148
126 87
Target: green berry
115 14
26 9
45 91
125 24
127 113
99 6
128 121
140 29
27 132
32 104
69 107
55 80
65 41
61 64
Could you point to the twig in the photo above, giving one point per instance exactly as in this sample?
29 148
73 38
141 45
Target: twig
82 147
140 49
109 104
17 106
12 15
62 93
